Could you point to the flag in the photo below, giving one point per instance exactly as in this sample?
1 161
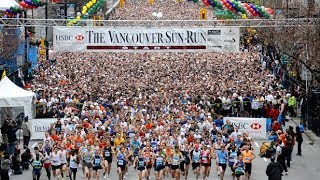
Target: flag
3 74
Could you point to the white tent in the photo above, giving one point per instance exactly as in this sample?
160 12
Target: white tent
12 95
5 4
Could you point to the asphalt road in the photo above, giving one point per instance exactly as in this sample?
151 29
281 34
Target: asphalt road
304 167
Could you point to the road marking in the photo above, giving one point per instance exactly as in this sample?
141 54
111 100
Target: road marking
34 145
256 144
265 159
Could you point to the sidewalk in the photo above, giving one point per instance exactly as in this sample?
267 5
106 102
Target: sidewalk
309 136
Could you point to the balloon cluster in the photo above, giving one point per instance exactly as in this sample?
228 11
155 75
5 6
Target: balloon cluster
88 9
24 5
237 7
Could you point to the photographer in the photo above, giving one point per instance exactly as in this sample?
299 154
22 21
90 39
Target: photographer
12 138
25 126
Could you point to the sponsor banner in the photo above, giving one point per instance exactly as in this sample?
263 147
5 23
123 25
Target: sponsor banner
256 127
40 126
135 39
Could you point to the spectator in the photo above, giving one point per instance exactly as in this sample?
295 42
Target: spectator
25 126
274 170
5 167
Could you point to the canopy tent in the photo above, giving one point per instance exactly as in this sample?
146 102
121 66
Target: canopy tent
13 96
6 4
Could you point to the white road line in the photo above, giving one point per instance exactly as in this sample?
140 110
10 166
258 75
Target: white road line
265 159
34 145
256 144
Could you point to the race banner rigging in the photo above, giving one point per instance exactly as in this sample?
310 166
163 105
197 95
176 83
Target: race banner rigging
135 39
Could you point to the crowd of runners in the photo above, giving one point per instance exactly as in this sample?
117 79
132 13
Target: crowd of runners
157 113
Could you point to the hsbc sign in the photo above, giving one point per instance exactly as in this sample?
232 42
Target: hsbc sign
255 127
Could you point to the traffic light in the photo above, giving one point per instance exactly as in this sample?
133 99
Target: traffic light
97 18
203 14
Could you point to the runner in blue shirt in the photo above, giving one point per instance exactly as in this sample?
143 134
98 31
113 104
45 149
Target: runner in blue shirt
222 160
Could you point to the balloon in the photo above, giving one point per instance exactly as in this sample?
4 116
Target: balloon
83 12
78 17
84 8
94 1
244 16
90 3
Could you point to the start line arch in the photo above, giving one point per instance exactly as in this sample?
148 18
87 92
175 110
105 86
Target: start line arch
164 23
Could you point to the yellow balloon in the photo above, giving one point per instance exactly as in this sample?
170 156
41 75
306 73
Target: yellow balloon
78 17
94 1
74 21
84 8
90 3
244 16
83 12
88 6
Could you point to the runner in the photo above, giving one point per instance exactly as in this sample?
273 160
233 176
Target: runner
195 158
176 157
87 162
96 161
63 153
148 156
159 164
83 149
46 151
74 161
232 158
248 156
217 148
222 161
168 153
107 155
121 163
205 161
36 163
186 160
55 158
238 167
140 164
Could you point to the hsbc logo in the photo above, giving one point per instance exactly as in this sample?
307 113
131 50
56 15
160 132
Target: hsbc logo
79 37
256 126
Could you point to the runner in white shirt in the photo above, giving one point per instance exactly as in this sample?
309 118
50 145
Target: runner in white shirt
55 158
74 161
63 153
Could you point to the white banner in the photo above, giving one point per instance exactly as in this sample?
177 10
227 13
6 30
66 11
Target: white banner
256 127
40 126
126 39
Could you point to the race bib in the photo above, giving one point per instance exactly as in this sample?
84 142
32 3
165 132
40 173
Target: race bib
141 163
159 162
97 161
107 153
120 162
175 161
204 158
196 158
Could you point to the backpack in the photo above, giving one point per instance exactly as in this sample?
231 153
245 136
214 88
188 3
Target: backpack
301 128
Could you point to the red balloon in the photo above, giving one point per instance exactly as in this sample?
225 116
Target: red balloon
23 4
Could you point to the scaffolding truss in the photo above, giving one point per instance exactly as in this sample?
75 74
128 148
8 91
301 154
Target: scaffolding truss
165 23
